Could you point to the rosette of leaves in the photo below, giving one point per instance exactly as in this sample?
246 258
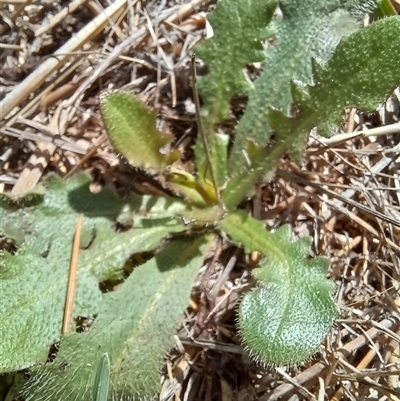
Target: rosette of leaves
287 315
328 77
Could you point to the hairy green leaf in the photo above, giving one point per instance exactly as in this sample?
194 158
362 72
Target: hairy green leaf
309 29
285 318
29 198
134 326
220 159
131 127
147 210
33 281
202 218
239 27
243 182
345 80
361 76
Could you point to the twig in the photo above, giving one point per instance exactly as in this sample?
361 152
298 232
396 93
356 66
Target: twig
301 389
33 104
31 174
72 6
362 365
70 297
31 136
14 2
89 154
336 139
184 11
318 369
10 47
38 76
297 178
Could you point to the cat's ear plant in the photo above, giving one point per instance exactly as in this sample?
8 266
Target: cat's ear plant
317 60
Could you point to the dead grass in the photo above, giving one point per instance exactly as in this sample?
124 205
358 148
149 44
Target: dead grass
57 57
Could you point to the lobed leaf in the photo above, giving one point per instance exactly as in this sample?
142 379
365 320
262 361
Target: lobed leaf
286 317
239 27
131 127
134 327
361 76
33 281
309 29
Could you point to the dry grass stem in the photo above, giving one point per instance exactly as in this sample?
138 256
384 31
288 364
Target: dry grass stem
70 296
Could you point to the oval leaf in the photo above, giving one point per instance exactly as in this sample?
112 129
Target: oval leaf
131 127
283 320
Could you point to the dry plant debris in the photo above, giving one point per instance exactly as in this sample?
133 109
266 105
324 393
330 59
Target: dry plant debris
57 57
